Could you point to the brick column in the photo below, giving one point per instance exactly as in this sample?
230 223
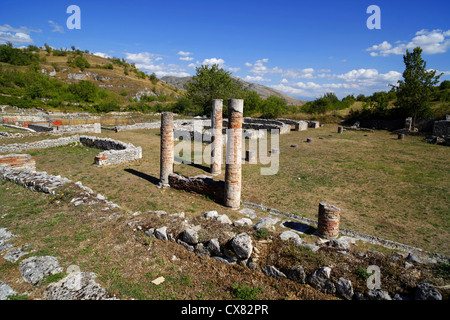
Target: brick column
216 145
328 223
167 147
233 166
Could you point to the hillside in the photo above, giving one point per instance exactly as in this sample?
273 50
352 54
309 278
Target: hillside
120 79
263 91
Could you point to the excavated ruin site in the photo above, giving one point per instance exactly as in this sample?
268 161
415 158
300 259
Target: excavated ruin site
112 212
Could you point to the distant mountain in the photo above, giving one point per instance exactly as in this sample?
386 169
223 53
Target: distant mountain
263 91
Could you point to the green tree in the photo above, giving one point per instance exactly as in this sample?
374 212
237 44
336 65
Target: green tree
413 92
48 49
212 82
84 90
273 107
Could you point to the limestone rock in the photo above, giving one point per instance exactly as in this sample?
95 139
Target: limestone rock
190 236
344 287
268 223
214 247
243 222
425 292
248 212
377 294
211 214
77 286
36 269
320 280
297 273
5 291
161 233
287 235
242 245
224 219
273 272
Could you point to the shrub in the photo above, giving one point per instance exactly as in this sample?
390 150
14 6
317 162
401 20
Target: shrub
244 292
262 233
84 90
79 62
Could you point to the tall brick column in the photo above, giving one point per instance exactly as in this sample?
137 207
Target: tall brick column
216 146
328 223
233 166
167 147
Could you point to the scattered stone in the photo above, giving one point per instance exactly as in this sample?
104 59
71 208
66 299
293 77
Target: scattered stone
190 236
224 219
297 273
36 269
320 280
242 245
294 145
344 287
211 214
309 139
287 235
150 232
177 215
201 250
184 244
248 213
161 233
340 244
378 294
14 254
273 272
214 247
243 222
77 286
267 223
225 260
158 280
425 292
311 246
6 291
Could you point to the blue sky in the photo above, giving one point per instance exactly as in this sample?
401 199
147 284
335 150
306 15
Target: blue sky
302 48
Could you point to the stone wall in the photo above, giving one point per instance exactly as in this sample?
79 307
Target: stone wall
80 128
49 143
38 181
18 161
441 128
115 151
201 184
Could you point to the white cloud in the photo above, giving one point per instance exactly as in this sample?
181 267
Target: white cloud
256 79
184 53
15 38
186 58
431 42
56 27
14 35
233 69
212 61
146 62
284 80
248 64
101 54
26 30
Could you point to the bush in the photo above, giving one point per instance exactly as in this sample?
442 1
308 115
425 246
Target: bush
15 56
79 62
84 90
244 292
273 107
